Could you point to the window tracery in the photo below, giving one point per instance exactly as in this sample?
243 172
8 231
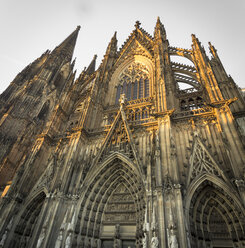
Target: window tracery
191 103
134 82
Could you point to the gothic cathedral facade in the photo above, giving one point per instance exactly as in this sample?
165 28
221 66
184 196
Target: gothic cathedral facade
122 156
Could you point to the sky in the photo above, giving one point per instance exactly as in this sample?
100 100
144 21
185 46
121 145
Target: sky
30 27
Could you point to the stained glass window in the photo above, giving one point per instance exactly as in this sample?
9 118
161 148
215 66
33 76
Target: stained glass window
135 90
146 87
140 88
134 82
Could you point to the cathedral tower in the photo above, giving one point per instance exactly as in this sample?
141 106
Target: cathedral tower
123 155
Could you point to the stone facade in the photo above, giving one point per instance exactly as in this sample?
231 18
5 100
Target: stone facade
122 156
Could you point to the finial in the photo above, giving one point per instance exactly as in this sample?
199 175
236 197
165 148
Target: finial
137 24
212 49
115 35
211 46
78 27
95 56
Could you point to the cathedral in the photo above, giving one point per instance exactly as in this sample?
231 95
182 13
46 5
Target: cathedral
123 156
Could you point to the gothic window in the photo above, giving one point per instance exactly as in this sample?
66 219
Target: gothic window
191 103
146 89
129 91
140 88
134 82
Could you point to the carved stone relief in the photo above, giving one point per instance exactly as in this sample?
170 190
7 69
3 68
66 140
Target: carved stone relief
120 207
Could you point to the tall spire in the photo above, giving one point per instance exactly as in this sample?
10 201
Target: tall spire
112 47
91 67
66 48
159 32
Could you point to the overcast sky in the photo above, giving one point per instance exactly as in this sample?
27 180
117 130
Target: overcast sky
29 27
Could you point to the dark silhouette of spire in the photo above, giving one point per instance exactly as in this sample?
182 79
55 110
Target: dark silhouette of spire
66 48
112 47
91 67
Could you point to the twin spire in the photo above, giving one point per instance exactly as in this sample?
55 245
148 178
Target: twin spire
66 48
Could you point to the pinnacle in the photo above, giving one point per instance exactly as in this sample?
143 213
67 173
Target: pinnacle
91 67
159 29
67 46
212 49
114 37
159 23
112 46
193 37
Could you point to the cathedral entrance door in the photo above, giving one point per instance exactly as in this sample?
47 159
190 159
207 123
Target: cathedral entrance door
128 244
119 218
107 244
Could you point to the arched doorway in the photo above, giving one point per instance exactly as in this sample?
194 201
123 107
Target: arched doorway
23 231
112 209
215 219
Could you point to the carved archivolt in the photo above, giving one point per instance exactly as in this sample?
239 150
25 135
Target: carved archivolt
219 218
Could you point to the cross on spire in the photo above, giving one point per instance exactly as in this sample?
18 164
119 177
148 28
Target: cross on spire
137 24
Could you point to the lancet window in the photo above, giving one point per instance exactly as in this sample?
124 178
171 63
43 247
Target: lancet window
134 82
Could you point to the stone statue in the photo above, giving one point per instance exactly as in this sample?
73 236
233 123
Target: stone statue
9 226
59 240
94 243
154 242
117 236
3 238
41 238
122 99
68 241
117 231
144 241
173 243
116 243
98 243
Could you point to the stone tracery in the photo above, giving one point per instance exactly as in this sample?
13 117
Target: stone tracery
134 82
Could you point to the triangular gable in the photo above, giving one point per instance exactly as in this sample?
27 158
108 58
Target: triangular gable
134 46
201 161
120 121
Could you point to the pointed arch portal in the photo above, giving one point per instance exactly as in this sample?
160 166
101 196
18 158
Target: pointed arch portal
112 209
27 222
215 220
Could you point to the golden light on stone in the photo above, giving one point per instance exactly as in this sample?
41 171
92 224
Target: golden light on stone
141 152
